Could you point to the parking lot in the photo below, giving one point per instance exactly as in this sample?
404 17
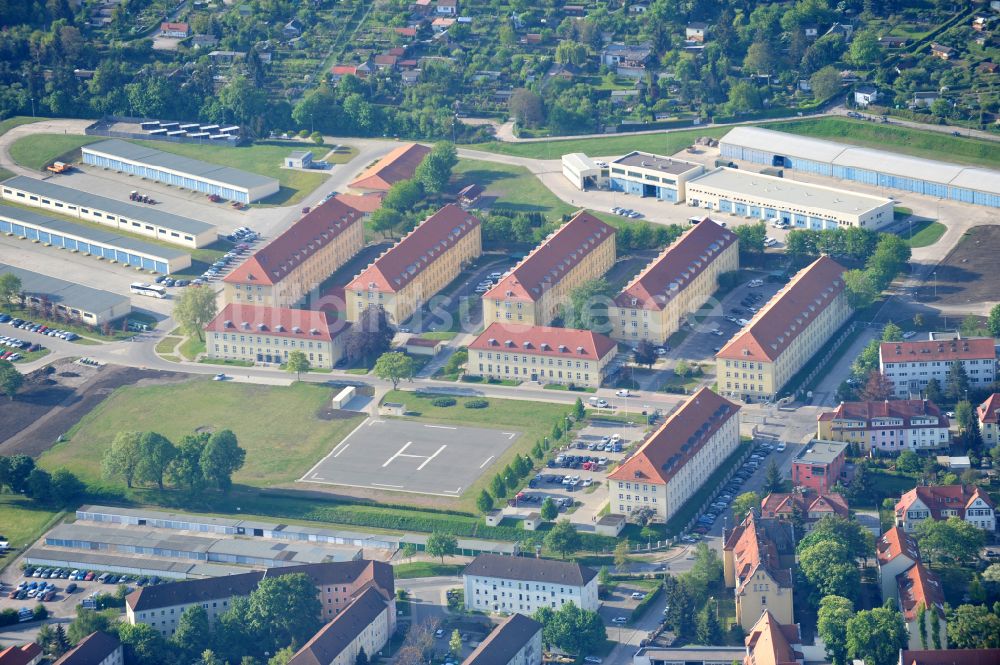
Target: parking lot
405 456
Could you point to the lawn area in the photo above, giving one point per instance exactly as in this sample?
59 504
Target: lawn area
441 335
16 121
29 356
264 159
711 484
37 151
4 173
515 187
666 143
167 344
277 426
21 522
925 233
191 347
916 142
407 571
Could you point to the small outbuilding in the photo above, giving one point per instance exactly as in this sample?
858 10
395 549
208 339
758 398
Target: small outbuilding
300 159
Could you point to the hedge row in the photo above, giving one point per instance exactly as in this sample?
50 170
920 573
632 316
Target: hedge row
641 608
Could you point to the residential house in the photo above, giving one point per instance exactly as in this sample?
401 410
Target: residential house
942 51
672 464
385 62
696 32
886 427
921 600
365 624
803 507
516 641
758 557
981 23
366 204
627 60
771 642
519 352
409 32
939 502
638 8
26 654
177 30
299 259
895 552
98 648
845 30
674 285
864 95
204 41
416 268
911 365
292 29
892 42
447 7
400 164
811 32
498 583
338 72
441 24
988 414
535 290
226 57
924 99
820 466
786 333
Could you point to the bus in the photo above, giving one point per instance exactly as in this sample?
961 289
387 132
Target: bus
151 290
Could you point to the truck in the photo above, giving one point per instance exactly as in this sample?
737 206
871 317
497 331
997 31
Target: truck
59 167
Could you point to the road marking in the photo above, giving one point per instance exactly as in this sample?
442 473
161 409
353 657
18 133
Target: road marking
487 461
400 452
440 427
332 452
342 450
452 491
427 461
316 476
510 435
384 485
375 422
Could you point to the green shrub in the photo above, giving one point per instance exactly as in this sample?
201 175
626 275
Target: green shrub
8 616
477 404
443 401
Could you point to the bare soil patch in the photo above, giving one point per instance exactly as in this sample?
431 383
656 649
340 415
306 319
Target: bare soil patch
968 274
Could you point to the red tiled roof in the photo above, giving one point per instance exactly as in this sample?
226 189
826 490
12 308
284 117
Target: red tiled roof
943 497
276 260
896 542
904 409
784 503
950 657
551 260
418 249
989 410
406 32
364 203
544 341
173 27
386 59
21 655
770 643
788 313
762 543
677 266
918 585
400 164
344 69
276 321
946 350
678 439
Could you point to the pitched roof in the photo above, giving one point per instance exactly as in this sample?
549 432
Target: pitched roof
896 542
946 350
418 249
678 439
544 341
186 592
364 571
529 569
788 313
275 261
770 643
904 409
950 657
918 585
400 164
943 497
784 503
500 647
989 410
550 261
92 649
762 543
276 322
21 655
334 637
173 27
676 267
343 69
365 203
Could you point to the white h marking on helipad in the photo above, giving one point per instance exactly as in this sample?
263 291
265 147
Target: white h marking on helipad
426 461
398 453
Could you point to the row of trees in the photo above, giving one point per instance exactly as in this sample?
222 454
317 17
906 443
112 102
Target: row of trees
19 475
690 609
890 257
200 460
828 558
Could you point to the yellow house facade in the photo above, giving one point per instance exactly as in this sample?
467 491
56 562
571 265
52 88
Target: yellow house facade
416 268
534 292
298 260
781 338
675 284
758 560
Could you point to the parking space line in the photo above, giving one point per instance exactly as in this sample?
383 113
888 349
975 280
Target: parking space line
427 461
384 485
440 427
510 435
488 459
331 453
398 453
342 450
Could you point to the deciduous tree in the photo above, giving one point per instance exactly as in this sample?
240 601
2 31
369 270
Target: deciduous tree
194 309
877 388
394 366
993 321
744 503
282 610
949 541
441 545
11 380
10 288
549 510
122 458
297 362
193 632
645 353
974 627
876 636
221 458
155 454
563 538
834 613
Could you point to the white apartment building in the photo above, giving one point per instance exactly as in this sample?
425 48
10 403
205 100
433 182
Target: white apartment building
497 583
939 502
911 365
890 426
364 624
516 641
676 459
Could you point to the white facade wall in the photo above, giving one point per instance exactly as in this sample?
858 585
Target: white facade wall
371 639
912 376
164 619
979 514
496 594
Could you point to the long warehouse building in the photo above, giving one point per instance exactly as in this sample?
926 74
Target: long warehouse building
171 169
141 220
803 205
91 306
84 239
872 167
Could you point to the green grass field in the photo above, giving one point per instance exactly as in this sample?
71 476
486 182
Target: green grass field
37 151
21 520
666 143
16 121
167 344
515 187
916 142
925 233
191 347
277 426
406 571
